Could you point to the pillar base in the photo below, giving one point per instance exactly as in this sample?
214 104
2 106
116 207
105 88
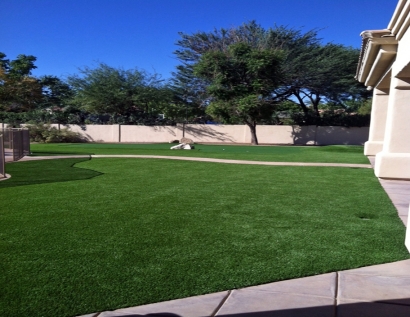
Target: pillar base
392 165
373 147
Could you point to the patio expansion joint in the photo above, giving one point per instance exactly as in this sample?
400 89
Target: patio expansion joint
335 302
218 308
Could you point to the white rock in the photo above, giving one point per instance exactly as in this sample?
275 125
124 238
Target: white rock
178 147
182 146
188 147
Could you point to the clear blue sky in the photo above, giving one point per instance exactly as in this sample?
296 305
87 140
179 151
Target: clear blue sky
67 34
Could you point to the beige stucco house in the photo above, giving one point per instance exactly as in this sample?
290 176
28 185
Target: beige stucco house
384 67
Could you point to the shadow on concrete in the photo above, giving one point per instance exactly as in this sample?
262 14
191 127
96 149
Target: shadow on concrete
385 308
151 315
47 171
205 131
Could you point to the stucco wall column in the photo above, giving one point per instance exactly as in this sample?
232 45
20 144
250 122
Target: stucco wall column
394 160
378 122
407 241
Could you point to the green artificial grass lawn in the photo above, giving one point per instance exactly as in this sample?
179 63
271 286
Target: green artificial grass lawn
79 236
324 154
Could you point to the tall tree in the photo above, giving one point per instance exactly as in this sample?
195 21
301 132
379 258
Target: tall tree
241 81
291 42
193 46
19 91
311 72
56 92
323 74
189 96
113 91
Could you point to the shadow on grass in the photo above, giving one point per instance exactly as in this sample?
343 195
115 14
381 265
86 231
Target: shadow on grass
37 153
47 171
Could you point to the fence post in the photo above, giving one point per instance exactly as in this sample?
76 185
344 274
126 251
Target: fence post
26 141
2 158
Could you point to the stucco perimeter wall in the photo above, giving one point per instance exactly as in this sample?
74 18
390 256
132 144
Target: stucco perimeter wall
96 133
341 135
151 134
215 133
276 134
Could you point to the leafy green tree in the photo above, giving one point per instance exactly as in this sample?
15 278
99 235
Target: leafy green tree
324 74
57 101
291 42
284 111
117 92
241 81
19 91
22 66
365 108
57 93
360 106
191 89
312 73
189 96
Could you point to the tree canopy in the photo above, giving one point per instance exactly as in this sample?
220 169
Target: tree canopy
311 72
247 74
115 91
189 95
241 81
322 73
19 91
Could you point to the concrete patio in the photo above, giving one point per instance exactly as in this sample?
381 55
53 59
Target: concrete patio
381 290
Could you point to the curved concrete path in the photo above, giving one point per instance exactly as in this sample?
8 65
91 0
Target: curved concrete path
374 291
199 159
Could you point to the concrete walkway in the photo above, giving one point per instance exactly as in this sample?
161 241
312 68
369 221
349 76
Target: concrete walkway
197 159
381 290
398 192
374 291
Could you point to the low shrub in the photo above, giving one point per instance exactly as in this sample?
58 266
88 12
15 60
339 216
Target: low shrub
45 133
332 118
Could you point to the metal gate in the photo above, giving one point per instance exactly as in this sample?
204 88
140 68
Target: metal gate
18 140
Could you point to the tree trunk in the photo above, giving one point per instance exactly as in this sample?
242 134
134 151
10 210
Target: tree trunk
254 138
302 104
315 104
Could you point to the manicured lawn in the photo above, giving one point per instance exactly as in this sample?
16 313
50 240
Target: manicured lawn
80 236
324 154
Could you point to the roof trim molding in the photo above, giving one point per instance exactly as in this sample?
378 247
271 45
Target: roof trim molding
379 48
396 14
400 21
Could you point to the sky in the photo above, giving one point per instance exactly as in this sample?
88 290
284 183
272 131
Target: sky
67 35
